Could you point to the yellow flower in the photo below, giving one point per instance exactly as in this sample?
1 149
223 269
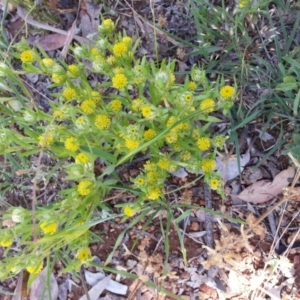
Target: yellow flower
49 228
184 126
84 254
128 211
139 181
214 183
35 269
119 81
131 144
149 134
84 187
73 71
137 104
27 56
88 106
81 158
127 40
48 62
187 97
207 105
192 86
138 80
120 49
58 78
45 139
186 155
111 60
94 52
203 143
227 92
153 193
59 114
102 121
118 70
6 242
163 163
116 105
146 111
152 176
243 3
170 121
172 137
149 166
71 144
108 24
69 93
208 165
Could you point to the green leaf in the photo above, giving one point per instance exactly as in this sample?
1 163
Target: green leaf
287 86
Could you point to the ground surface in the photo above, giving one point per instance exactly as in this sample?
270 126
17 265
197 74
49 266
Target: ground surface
242 264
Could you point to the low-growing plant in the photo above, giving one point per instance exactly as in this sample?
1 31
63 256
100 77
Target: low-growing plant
135 107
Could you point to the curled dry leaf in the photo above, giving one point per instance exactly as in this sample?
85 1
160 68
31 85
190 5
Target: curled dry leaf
257 229
264 190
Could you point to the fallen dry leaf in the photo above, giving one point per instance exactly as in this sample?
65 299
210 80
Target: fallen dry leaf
264 190
50 42
97 289
39 288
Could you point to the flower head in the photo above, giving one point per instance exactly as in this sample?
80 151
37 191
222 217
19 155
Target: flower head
146 112
58 78
187 97
131 144
127 40
128 211
69 94
120 49
208 165
116 105
207 105
102 121
6 242
137 104
119 81
227 92
73 71
163 163
48 62
88 106
153 193
46 139
84 187
49 228
35 268
185 155
192 86
71 144
203 143
27 56
149 134
81 158
139 181
84 254
214 183
111 60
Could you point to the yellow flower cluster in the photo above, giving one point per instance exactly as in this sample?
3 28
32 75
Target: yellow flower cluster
49 228
88 106
227 92
84 187
203 143
153 193
146 112
208 165
207 105
27 56
128 211
102 121
69 94
48 62
81 158
73 71
149 134
116 105
192 86
71 144
46 139
84 254
34 268
131 144
6 242
120 49
108 24
119 81
58 78
214 183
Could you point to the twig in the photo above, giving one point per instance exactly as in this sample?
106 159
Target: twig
24 15
209 238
